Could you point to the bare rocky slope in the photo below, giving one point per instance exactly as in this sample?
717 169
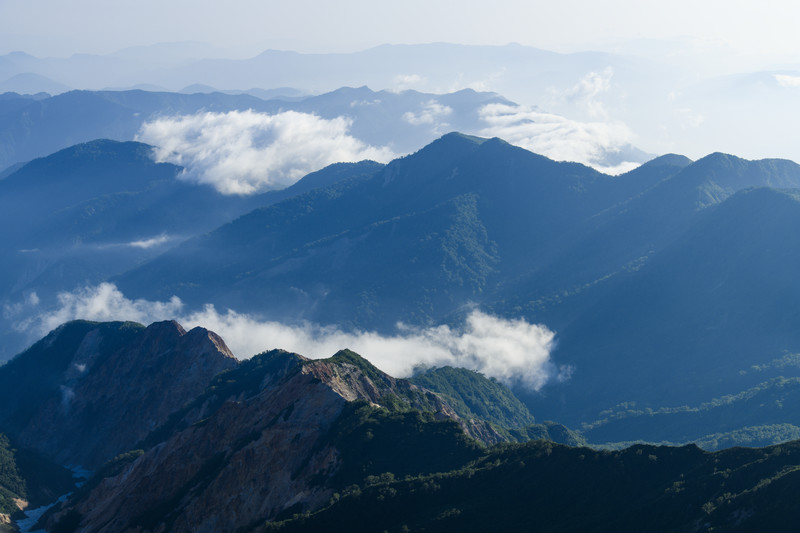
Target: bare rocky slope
274 436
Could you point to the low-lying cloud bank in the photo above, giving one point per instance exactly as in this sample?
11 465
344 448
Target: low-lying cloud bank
591 143
245 152
513 351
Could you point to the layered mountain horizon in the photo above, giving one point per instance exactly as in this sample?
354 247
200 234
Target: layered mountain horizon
385 267
615 266
497 297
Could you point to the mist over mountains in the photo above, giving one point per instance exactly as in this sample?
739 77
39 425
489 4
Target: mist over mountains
244 137
659 101
416 294
630 297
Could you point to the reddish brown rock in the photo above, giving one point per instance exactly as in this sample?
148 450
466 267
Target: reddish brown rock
260 453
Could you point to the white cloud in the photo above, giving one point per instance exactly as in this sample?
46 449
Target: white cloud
15 309
102 302
432 112
512 351
244 152
558 137
149 243
586 91
785 80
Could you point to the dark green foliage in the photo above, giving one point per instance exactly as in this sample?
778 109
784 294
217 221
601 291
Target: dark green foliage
472 395
548 430
375 441
26 476
11 483
366 368
687 325
557 488
758 416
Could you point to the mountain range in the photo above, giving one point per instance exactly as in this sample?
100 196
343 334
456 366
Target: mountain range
281 442
665 98
527 323
108 207
670 290
642 276
38 125
669 287
91 394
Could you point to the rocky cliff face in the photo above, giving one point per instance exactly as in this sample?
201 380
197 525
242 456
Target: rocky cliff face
262 451
97 396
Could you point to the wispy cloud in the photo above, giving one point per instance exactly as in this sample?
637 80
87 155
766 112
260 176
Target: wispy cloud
244 152
513 351
431 112
102 302
12 310
559 138
585 93
786 80
151 242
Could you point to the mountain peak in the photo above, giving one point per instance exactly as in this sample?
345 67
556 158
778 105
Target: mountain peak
85 380
166 326
671 160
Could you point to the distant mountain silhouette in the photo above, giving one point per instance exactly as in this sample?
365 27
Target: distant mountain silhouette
36 126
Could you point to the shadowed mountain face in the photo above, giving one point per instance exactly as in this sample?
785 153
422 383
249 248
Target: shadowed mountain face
445 225
108 202
664 285
93 210
89 391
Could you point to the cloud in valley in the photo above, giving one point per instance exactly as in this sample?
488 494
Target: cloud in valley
432 112
557 137
513 351
244 152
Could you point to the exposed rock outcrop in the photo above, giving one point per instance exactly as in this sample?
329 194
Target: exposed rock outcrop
92 391
264 450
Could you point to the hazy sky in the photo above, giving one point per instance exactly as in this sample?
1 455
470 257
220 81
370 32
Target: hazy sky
59 28
719 69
